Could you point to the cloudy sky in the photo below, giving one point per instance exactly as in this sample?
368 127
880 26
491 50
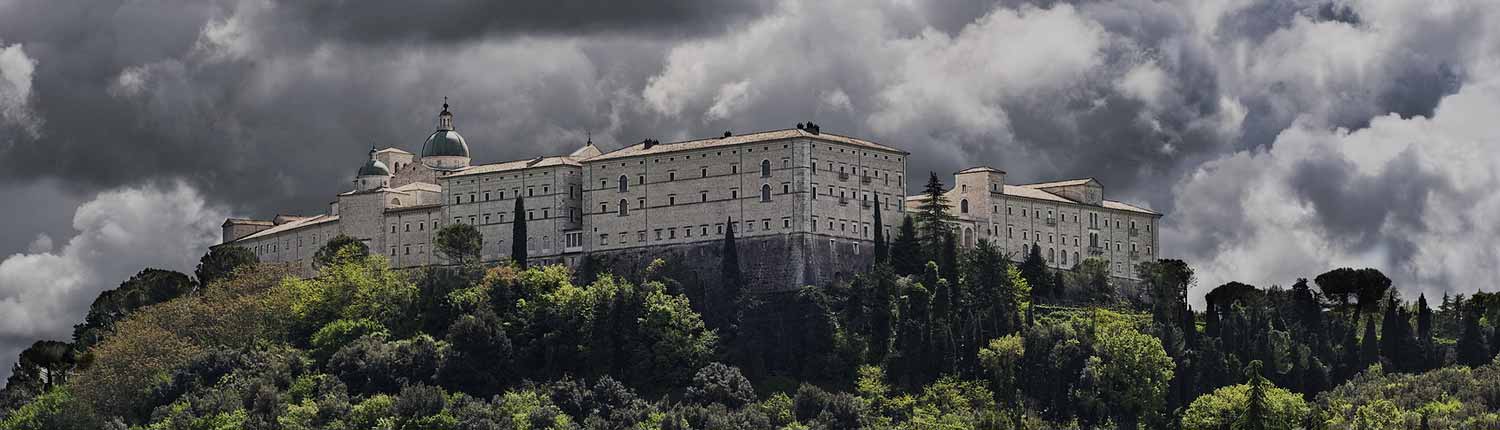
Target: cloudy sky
1280 137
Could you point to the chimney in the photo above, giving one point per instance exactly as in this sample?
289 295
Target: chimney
727 134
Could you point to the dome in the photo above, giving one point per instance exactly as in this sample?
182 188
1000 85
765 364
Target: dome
374 168
445 143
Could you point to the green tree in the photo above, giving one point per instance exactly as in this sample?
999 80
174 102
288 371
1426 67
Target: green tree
1093 279
148 287
1369 347
882 254
1034 267
518 236
1472 350
906 251
1001 360
220 261
1130 373
341 249
732 283
459 243
1226 408
933 219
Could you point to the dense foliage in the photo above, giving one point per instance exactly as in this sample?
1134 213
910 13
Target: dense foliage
930 336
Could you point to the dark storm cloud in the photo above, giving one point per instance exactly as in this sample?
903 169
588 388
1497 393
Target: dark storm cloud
445 21
1365 212
268 106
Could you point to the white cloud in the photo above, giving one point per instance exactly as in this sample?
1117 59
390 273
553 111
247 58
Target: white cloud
42 244
731 98
1251 216
43 294
16 69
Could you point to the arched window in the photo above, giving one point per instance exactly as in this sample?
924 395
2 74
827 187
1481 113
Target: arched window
765 193
963 205
624 208
765 168
968 237
624 184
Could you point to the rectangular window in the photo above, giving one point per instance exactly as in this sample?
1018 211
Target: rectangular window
786 223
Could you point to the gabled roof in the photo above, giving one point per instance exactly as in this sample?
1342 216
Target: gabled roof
977 169
289 226
505 166
764 136
395 150
1055 184
1128 207
1032 193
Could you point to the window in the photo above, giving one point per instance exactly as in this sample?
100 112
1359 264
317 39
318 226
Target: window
963 206
546 213
604 239
640 180
486 196
703 196
786 223
765 168
786 188
765 224
1010 232
408 227
672 176
624 184
734 169
704 172
734 194
393 228
671 200
765 193
624 208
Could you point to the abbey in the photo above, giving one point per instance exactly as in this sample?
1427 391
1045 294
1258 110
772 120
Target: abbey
801 202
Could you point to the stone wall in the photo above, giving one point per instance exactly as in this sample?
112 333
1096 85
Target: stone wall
769 263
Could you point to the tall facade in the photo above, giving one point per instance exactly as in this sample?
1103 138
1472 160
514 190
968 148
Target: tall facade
804 197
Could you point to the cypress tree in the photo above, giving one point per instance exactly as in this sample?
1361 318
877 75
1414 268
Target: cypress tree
1034 268
1369 352
906 251
1472 348
1424 334
949 258
730 266
933 218
518 234
881 253
1390 338
1255 408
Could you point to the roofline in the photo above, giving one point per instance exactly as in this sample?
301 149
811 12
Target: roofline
1085 179
879 147
466 171
980 168
413 208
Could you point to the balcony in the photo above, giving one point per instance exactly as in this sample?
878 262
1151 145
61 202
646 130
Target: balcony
1133 232
1096 251
843 176
864 180
1051 222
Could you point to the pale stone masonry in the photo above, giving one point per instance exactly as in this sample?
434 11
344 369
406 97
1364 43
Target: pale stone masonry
802 197
1069 220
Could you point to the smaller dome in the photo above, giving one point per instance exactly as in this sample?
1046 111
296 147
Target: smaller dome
374 168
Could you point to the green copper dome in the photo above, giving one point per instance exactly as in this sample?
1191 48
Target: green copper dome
374 168
445 143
